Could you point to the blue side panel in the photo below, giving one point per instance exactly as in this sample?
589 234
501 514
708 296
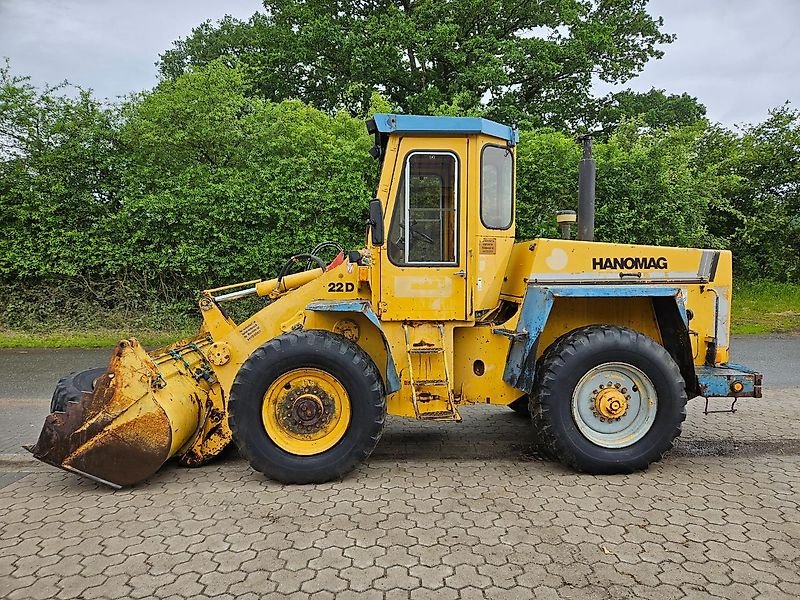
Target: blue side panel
389 123
363 307
533 317
719 382
681 303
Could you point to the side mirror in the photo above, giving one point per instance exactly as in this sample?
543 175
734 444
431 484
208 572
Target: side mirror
376 222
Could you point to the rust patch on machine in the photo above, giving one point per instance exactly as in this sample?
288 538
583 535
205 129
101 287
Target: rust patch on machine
142 411
107 435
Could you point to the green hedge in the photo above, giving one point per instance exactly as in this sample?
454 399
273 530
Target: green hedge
137 205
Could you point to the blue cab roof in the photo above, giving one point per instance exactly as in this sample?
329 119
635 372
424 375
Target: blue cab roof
390 123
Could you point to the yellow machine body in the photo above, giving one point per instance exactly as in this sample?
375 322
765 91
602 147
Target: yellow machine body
457 324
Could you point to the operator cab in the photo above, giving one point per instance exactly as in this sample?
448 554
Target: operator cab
446 204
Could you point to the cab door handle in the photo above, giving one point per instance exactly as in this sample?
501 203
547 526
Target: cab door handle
461 273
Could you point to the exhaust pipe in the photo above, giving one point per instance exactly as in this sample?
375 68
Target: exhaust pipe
586 185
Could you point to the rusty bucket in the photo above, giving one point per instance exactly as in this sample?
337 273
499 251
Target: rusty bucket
144 410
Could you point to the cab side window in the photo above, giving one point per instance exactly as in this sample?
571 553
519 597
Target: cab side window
497 187
424 222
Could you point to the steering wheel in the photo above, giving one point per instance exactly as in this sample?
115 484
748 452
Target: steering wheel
415 233
418 234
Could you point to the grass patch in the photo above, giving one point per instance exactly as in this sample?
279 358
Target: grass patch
88 339
766 307
68 314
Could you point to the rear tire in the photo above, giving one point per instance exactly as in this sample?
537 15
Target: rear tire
70 388
608 400
521 406
306 370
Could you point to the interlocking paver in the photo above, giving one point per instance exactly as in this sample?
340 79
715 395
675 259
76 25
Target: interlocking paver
289 582
440 511
145 585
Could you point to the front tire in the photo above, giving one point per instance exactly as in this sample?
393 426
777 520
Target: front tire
307 407
71 387
608 400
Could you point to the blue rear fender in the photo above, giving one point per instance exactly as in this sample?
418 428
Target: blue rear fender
670 309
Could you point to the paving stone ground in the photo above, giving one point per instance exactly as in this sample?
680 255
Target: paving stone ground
440 511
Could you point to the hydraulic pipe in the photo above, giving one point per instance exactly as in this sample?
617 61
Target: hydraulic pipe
271 287
237 294
274 287
586 190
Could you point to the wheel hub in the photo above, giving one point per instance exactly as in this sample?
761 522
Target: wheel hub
306 410
611 403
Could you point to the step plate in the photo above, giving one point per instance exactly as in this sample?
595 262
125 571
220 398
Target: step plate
439 415
427 350
430 383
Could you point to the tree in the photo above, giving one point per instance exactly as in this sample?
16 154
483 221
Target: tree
649 190
763 196
527 61
59 177
655 109
221 186
546 181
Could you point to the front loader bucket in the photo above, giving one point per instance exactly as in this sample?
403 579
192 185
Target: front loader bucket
143 410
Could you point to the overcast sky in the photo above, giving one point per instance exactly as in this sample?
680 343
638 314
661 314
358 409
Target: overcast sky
739 57
110 46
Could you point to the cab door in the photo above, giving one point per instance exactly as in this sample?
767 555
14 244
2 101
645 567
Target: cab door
424 266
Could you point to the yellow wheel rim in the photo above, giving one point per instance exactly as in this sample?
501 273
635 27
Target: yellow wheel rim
306 411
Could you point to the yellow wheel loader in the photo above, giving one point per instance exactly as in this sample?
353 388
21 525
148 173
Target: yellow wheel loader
600 344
